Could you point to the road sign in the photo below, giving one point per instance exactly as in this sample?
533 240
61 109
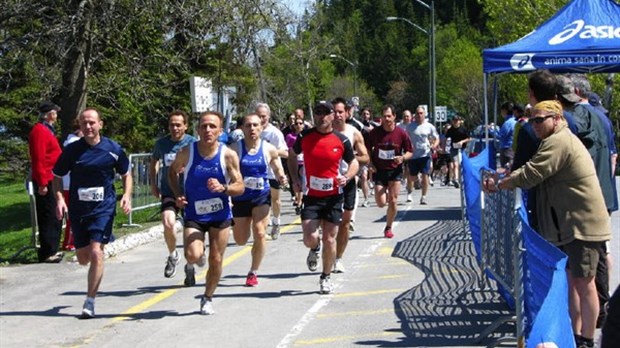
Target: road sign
201 90
441 113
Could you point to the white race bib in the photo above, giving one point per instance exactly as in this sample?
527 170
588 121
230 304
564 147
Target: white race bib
386 154
169 158
321 184
208 206
91 194
254 183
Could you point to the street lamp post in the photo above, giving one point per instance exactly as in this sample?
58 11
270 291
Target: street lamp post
431 45
430 56
354 66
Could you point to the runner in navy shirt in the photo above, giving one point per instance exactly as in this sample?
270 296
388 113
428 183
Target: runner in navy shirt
211 174
93 162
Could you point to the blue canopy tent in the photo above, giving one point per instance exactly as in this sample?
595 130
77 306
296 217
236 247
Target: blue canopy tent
584 36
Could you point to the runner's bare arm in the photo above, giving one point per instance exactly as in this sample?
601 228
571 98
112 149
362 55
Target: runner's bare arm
276 164
235 186
362 152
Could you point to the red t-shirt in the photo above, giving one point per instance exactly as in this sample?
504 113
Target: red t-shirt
322 156
44 152
383 146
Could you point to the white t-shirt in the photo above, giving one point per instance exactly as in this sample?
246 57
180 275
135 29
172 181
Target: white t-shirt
274 136
422 135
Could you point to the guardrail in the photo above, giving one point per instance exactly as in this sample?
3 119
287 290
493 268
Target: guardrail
502 252
141 197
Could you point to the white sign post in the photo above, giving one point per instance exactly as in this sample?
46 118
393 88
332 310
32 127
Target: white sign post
441 113
201 90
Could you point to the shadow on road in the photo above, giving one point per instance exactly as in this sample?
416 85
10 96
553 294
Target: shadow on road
452 306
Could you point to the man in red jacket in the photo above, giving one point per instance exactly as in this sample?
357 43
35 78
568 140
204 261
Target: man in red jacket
44 151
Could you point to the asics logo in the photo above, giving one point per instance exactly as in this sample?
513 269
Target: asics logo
582 30
522 62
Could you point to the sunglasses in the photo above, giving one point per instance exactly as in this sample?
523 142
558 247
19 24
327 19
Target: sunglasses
299 123
539 120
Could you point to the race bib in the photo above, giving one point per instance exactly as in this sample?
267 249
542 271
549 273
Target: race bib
457 146
254 183
90 194
386 154
169 158
208 206
321 184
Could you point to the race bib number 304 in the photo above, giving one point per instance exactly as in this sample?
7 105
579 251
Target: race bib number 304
208 206
386 154
321 184
90 194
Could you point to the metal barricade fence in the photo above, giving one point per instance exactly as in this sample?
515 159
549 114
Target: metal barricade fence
141 197
502 252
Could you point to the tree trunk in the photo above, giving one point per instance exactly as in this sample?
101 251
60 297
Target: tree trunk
75 67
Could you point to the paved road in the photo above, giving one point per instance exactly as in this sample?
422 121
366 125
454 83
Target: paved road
419 289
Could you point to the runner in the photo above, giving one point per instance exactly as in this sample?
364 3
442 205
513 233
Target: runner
251 209
323 150
341 111
211 173
92 161
275 137
424 139
164 153
389 146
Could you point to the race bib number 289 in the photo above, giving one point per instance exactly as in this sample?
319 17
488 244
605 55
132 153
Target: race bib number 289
321 184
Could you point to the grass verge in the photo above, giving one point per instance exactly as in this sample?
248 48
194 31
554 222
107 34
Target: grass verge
16 245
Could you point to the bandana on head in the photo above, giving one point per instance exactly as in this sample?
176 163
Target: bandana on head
550 106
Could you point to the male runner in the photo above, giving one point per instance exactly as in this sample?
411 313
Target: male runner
211 174
164 152
93 162
323 150
424 139
341 111
251 209
389 146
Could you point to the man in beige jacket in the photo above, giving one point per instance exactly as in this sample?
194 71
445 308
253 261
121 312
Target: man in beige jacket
570 207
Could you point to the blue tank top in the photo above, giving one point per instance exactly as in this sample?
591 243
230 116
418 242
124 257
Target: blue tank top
254 169
202 204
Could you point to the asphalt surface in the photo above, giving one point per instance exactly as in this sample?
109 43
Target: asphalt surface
421 288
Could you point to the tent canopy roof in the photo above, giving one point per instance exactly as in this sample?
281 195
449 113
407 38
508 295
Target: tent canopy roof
584 36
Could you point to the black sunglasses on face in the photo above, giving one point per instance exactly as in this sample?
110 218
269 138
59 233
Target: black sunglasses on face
539 120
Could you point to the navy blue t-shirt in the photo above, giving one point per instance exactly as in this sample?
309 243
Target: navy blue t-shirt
92 170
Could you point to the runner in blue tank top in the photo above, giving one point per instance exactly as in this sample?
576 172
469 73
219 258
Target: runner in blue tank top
251 210
211 172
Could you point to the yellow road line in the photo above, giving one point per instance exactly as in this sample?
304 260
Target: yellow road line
393 276
356 313
335 339
368 293
164 295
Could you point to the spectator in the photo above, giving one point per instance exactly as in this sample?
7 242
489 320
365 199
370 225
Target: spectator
44 152
456 138
570 207
506 133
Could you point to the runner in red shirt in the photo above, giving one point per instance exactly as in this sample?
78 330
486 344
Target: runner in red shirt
323 150
389 146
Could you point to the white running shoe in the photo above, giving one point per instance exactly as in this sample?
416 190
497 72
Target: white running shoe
206 306
325 286
409 198
88 309
338 266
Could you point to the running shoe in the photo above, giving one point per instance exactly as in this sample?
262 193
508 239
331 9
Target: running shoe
251 279
325 285
88 310
206 306
423 200
312 261
275 232
298 210
456 184
388 232
190 275
416 185
365 204
351 226
338 266
171 266
409 198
